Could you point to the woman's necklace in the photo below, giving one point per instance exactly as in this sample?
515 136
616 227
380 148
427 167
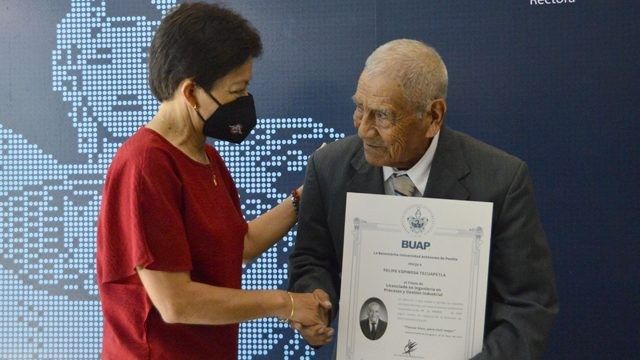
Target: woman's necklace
213 172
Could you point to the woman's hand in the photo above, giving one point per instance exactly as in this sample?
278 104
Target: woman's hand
319 334
308 309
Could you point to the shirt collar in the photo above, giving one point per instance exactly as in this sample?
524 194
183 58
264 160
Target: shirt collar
419 173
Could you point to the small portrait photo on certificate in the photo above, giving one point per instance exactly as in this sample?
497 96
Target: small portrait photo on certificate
373 318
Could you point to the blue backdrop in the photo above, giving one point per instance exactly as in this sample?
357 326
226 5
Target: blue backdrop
555 84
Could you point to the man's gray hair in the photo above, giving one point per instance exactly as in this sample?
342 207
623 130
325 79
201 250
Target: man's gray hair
417 66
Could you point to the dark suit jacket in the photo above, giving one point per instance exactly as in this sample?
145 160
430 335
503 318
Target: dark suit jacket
521 295
381 327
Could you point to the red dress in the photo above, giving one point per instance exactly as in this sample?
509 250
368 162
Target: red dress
164 211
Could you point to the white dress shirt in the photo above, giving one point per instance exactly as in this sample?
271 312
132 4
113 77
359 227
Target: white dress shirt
419 173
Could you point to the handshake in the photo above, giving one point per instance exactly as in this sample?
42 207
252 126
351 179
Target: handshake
310 315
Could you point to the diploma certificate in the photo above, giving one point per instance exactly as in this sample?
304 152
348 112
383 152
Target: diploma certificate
414 278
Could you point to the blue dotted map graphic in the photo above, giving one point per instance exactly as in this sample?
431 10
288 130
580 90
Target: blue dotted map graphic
48 209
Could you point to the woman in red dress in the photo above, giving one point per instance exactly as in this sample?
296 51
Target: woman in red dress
171 235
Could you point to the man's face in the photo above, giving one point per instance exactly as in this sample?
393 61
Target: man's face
391 130
374 312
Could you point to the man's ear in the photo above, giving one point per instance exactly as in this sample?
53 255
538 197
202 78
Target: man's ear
436 112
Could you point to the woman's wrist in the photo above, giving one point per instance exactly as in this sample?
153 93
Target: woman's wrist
293 307
296 196
284 306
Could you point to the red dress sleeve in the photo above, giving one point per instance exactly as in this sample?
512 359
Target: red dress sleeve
141 221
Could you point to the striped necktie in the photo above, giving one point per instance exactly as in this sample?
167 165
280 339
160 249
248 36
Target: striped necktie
403 186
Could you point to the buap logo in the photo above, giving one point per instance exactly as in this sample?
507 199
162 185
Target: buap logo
412 244
417 220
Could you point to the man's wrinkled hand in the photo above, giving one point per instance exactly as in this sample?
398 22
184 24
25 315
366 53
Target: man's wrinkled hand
315 335
321 333
325 303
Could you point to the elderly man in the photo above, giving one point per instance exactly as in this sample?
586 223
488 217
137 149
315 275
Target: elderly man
403 148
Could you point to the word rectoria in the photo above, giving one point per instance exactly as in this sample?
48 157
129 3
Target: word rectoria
550 2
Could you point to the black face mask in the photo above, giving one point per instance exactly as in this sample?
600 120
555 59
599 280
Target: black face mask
231 122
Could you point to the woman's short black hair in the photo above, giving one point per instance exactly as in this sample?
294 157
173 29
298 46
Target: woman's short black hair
200 41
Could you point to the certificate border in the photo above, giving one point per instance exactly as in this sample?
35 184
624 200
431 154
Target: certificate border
474 268
358 225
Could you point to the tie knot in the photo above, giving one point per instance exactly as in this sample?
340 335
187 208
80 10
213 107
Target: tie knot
403 185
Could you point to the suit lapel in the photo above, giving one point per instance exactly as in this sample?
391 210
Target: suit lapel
449 167
367 179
